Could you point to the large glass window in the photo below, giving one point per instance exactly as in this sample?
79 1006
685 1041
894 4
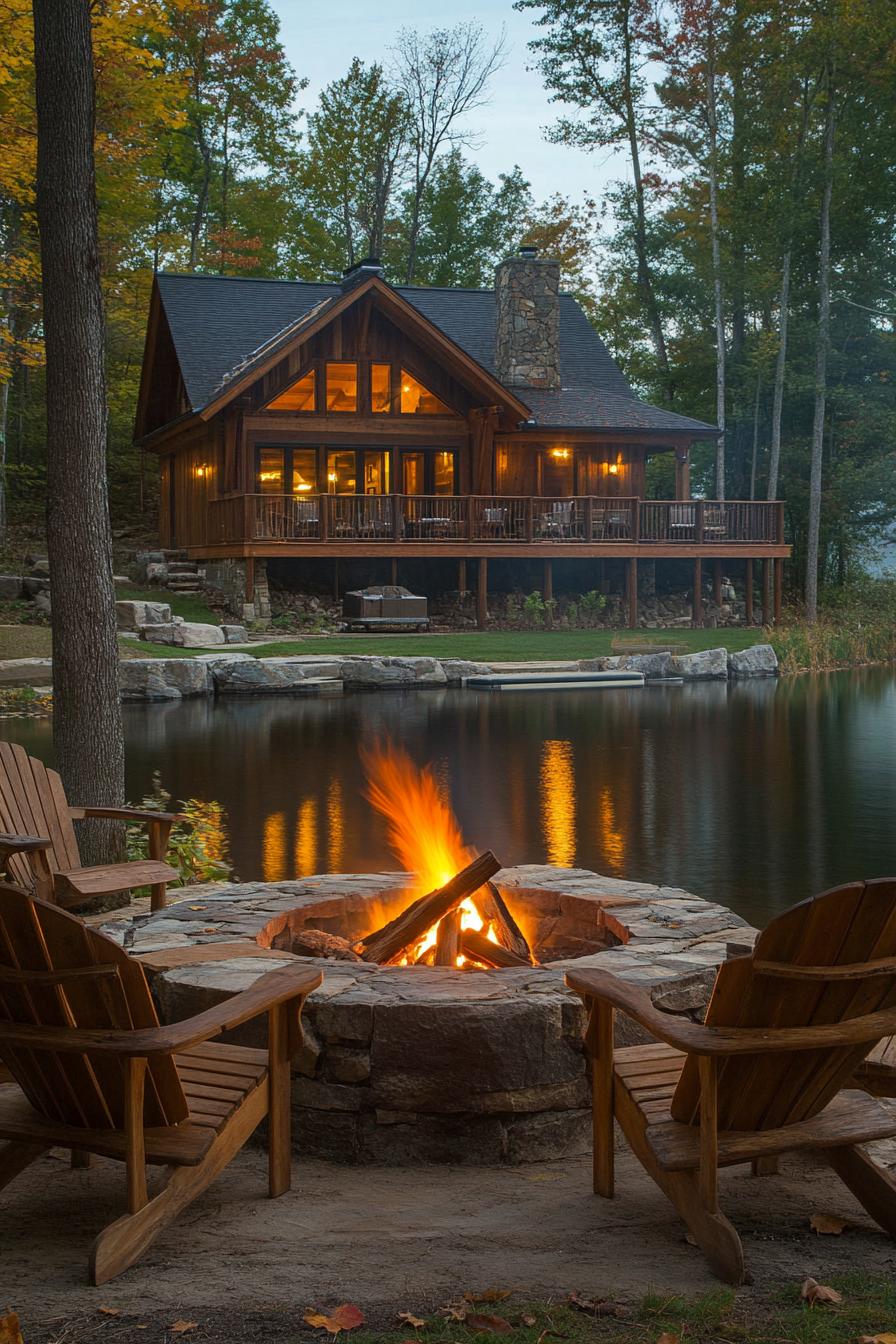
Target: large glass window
418 400
304 471
342 387
412 474
376 472
298 397
443 474
341 472
270 471
380 388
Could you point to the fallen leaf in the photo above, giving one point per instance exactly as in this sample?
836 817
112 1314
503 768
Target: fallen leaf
827 1225
183 1327
208 930
813 1293
109 1311
666 1338
887 1338
455 1311
597 1306
489 1325
488 1295
410 1319
9 1329
197 907
346 1317
527 1320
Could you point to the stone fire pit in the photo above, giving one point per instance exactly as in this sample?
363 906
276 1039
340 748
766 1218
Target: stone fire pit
419 1064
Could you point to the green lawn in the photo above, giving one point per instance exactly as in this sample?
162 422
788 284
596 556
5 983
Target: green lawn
191 606
511 645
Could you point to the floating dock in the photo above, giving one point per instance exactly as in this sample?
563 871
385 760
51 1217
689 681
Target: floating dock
556 681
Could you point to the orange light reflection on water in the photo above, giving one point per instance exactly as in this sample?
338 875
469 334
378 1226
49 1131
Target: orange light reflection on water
273 848
558 802
305 853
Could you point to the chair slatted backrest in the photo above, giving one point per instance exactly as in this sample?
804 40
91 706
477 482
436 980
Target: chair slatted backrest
55 971
33 802
792 980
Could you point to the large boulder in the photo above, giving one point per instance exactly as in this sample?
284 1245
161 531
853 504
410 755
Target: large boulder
707 665
132 615
651 664
195 635
10 587
163 678
427 671
377 672
256 676
457 669
26 672
235 634
760 660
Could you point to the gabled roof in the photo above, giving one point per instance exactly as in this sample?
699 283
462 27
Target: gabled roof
222 326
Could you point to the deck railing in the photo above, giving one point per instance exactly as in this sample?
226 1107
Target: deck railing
493 518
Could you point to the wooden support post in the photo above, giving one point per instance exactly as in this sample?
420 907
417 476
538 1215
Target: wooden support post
748 592
766 592
548 593
697 609
633 594
482 594
779 587
717 583
394 579
461 577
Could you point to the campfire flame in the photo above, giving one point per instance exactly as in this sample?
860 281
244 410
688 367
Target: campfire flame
423 833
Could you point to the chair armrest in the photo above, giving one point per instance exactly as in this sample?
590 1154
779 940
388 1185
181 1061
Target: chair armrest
22 844
701 1040
124 814
273 989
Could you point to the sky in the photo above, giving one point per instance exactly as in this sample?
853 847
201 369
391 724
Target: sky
320 41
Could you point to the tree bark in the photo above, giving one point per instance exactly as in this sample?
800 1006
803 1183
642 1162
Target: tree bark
755 455
712 128
774 457
821 359
87 725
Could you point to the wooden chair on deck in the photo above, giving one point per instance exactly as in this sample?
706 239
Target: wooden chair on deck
785 1031
94 1072
40 852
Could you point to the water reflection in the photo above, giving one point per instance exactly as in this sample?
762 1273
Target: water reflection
558 803
754 794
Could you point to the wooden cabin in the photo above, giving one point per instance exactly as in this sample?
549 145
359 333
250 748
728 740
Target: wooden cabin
372 421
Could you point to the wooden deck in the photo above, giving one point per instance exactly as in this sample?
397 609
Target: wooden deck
491 526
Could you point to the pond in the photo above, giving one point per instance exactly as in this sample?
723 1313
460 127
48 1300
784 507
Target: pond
755 794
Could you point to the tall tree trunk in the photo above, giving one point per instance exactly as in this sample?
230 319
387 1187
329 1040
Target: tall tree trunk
4 415
755 456
87 726
821 358
645 278
716 256
774 459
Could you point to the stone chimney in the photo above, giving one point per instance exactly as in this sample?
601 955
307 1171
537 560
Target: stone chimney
527 320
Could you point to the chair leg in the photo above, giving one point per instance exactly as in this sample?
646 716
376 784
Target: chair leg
15 1157
873 1186
122 1243
80 1158
711 1230
764 1166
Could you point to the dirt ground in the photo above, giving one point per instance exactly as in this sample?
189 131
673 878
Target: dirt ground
394 1239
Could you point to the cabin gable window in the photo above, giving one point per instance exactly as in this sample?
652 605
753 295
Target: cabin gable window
342 387
416 399
300 396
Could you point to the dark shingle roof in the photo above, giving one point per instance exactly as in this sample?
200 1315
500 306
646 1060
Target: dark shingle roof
218 323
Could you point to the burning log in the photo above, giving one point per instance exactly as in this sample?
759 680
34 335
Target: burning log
316 943
448 939
412 923
493 909
476 947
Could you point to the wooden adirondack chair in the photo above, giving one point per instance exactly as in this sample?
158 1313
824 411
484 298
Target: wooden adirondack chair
784 1032
96 1073
40 852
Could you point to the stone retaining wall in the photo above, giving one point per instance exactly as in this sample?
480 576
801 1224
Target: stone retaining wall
327 674
417 1064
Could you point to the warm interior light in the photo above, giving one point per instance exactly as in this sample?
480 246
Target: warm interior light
303 485
269 475
331 477
560 454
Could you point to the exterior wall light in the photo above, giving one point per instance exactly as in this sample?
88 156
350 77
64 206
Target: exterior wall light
560 454
613 469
